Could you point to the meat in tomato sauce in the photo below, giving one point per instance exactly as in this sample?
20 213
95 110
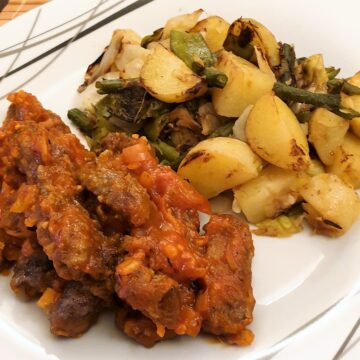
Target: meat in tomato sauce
115 230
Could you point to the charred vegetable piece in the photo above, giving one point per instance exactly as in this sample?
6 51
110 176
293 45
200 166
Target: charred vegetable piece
311 74
215 78
329 101
240 42
286 69
110 86
155 36
153 128
124 110
156 108
224 130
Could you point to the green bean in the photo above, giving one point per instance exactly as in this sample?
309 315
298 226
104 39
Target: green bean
290 93
82 120
334 86
191 48
287 64
224 130
350 89
155 36
330 101
332 72
166 151
153 128
215 78
110 86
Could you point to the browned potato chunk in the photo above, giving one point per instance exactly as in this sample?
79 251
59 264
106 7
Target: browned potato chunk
346 164
214 30
274 133
266 196
218 164
168 79
331 206
353 102
246 84
327 132
355 126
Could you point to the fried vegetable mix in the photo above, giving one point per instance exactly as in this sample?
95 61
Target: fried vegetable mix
231 108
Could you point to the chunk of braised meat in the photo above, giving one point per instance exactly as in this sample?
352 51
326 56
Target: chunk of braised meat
73 311
157 296
68 235
116 142
111 222
162 183
32 138
110 180
13 231
166 253
26 107
73 241
228 301
174 279
10 248
169 252
33 272
140 328
41 147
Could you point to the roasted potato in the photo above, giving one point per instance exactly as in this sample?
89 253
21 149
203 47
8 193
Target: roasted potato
274 133
219 164
262 62
168 79
331 206
355 126
266 196
214 30
315 167
353 102
249 32
326 133
346 164
246 84
183 22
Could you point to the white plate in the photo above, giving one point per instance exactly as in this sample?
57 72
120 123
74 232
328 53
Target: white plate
295 280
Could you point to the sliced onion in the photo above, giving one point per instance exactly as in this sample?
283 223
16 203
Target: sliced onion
240 123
